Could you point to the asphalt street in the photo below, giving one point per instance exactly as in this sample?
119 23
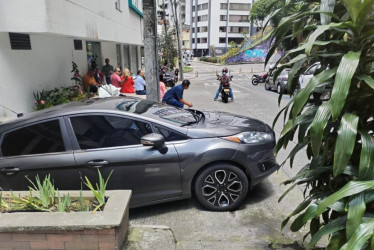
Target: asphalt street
256 225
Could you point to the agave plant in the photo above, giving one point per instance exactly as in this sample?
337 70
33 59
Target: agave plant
337 134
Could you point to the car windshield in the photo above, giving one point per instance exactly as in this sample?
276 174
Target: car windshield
161 112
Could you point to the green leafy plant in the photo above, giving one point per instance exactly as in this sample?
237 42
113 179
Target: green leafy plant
63 204
338 136
45 190
99 192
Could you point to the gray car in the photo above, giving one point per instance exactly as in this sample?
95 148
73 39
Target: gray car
278 84
160 152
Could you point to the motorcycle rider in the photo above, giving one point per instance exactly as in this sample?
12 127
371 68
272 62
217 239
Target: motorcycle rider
223 78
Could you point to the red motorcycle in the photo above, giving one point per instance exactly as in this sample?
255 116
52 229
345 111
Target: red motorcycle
256 79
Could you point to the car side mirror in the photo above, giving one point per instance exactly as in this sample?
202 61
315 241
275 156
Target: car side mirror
155 140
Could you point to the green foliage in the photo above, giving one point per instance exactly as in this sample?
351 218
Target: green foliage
337 133
167 49
45 190
42 197
45 99
264 8
99 192
77 78
209 59
187 69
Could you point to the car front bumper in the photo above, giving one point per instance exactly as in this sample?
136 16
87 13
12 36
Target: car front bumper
259 161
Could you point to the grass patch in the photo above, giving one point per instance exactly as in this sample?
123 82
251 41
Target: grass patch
187 69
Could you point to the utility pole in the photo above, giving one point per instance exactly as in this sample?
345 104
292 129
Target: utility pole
151 50
180 62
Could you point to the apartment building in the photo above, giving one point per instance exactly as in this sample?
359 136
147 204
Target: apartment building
216 23
39 39
166 18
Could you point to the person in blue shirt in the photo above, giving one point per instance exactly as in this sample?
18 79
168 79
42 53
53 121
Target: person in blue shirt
140 84
174 96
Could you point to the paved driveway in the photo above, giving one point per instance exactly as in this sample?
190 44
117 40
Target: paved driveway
256 225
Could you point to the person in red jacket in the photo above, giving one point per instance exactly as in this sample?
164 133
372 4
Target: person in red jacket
128 84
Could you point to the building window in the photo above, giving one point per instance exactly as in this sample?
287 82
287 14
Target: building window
223 6
236 40
193 40
222 40
193 8
239 30
78 45
222 29
202 18
240 6
198 40
223 18
20 41
202 29
203 40
239 18
203 6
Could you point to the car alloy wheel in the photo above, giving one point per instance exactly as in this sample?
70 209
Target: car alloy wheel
221 187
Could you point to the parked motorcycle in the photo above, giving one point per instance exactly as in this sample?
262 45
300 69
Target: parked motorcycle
225 92
256 79
169 78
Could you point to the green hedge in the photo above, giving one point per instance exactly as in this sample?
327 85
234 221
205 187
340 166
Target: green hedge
209 59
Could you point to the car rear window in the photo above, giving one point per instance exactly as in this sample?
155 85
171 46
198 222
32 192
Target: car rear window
40 138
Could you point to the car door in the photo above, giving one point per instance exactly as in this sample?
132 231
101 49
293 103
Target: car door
112 143
41 149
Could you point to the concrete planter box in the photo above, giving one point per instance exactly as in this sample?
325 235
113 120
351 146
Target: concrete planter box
76 230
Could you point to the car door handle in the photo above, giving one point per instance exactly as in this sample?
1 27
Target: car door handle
96 163
9 170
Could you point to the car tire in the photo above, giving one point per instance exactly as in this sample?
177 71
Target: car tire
221 187
279 88
267 86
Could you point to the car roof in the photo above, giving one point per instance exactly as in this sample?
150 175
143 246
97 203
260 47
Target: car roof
129 105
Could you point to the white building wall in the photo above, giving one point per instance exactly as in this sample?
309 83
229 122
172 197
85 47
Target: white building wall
53 25
46 66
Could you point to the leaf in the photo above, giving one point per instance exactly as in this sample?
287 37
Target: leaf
366 157
358 10
360 236
344 74
300 221
345 142
330 228
368 80
356 210
299 208
294 70
351 188
318 126
303 96
320 30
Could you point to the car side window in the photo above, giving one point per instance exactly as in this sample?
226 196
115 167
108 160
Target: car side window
169 134
39 138
100 131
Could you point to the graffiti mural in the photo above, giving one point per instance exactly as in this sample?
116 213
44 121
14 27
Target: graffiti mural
256 54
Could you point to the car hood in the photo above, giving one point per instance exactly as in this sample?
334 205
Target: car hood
219 124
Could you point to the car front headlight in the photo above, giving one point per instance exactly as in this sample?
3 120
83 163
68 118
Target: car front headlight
250 137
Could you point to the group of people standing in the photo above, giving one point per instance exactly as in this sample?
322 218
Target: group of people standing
94 79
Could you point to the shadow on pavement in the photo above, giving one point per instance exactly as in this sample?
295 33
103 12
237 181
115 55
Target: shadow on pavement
259 193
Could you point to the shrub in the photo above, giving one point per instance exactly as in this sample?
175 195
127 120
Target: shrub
338 181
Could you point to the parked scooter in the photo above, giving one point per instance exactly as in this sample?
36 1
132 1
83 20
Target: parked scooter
256 79
225 92
169 78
